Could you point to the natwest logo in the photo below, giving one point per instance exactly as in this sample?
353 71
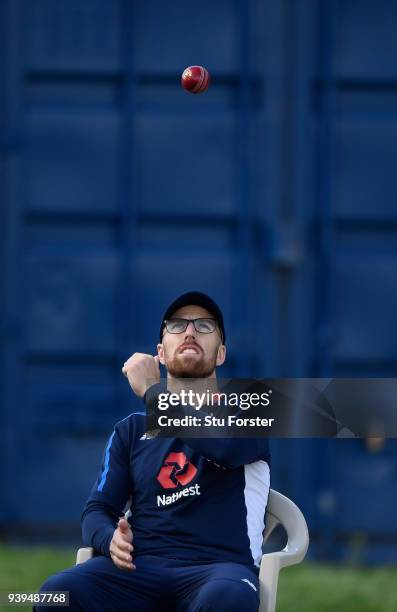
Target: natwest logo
177 470
166 500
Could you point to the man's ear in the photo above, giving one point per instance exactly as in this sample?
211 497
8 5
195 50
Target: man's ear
160 352
221 356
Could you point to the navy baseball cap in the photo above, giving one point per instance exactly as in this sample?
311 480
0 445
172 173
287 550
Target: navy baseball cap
195 298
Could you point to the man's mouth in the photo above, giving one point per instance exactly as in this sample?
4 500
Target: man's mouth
189 349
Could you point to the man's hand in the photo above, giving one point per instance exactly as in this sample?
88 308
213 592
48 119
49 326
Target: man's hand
121 547
142 372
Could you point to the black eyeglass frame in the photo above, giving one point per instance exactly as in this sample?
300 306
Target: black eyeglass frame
187 321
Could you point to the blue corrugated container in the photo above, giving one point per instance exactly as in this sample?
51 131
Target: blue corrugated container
275 192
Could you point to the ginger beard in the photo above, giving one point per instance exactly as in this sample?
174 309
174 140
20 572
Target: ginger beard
187 365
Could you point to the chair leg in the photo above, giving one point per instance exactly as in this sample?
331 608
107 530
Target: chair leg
268 581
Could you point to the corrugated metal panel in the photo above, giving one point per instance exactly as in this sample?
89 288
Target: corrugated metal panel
356 296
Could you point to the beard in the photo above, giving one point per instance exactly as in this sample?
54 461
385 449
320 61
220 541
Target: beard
185 367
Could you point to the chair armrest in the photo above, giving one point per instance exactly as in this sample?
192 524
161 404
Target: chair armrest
83 554
283 511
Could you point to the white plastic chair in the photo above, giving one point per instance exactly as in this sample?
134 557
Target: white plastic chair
280 510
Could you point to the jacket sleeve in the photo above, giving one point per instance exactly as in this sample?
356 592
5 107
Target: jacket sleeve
108 496
226 452
231 452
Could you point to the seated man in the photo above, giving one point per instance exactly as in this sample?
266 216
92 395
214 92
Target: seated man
193 540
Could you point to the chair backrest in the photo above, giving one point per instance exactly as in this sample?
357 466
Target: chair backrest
281 510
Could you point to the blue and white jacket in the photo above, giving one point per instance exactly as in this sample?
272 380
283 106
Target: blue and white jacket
194 499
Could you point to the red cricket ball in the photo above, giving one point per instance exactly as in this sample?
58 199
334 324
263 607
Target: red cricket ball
195 79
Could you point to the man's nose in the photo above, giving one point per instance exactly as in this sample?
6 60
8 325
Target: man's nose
190 330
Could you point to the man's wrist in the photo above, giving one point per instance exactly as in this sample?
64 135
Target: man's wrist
151 402
108 535
152 392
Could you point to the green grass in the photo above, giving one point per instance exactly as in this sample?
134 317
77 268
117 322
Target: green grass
304 588
27 568
325 588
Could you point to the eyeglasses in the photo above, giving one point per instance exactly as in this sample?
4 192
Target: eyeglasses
178 326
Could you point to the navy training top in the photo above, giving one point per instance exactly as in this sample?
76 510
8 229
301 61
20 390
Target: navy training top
194 499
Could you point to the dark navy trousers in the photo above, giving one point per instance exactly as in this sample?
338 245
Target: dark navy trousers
157 585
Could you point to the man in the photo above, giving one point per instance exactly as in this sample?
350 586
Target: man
193 540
